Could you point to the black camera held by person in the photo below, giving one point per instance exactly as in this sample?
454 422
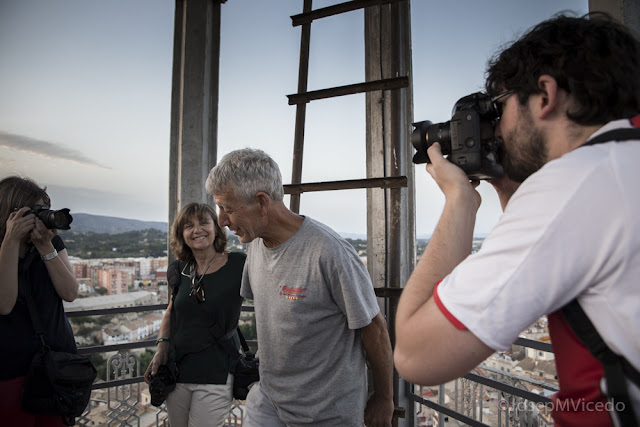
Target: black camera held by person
59 220
468 138
162 383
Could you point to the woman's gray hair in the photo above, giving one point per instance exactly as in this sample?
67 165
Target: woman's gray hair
246 172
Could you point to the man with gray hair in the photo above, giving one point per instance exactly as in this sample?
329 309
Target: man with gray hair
317 317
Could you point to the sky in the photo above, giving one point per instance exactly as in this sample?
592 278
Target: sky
85 92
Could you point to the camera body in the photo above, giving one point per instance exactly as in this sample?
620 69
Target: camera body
162 383
468 138
59 219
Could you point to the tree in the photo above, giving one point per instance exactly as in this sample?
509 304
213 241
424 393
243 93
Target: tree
145 360
101 365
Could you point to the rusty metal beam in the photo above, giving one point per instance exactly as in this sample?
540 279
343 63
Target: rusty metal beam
384 84
308 17
301 110
387 182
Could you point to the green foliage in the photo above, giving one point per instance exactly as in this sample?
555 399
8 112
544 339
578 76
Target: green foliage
85 330
101 365
140 243
145 360
358 244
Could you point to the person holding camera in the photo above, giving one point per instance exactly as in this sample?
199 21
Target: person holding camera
569 230
33 259
316 312
205 298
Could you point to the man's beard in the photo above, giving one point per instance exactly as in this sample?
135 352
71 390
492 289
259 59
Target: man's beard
527 151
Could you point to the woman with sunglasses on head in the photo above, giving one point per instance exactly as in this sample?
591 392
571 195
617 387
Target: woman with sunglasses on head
33 261
205 302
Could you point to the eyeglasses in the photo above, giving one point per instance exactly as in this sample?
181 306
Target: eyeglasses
499 106
197 290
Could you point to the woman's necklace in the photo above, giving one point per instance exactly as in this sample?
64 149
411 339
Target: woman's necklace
197 290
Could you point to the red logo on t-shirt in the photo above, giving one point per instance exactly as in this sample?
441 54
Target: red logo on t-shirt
292 292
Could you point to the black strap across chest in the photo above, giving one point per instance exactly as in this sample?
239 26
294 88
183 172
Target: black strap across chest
616 368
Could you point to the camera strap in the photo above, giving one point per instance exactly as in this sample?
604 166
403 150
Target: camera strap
226 342
616 368
623 134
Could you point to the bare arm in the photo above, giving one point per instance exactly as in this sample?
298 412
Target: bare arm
429 349
379 410
17 228
59 268
162 349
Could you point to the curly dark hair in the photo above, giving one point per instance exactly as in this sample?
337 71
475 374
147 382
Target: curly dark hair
200 210
595 59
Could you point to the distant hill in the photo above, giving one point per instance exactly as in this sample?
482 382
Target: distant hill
84 223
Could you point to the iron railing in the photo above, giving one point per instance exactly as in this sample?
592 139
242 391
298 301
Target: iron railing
119 401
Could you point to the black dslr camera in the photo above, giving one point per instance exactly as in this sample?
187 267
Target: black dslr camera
59 220
468 138
162 383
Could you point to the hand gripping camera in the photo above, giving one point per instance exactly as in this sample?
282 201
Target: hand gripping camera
468 138
59 220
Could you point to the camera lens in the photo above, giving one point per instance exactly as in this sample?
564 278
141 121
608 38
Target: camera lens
59 220
425 134
441 133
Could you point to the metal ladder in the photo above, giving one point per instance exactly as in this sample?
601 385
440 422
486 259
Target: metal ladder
393 266
300 100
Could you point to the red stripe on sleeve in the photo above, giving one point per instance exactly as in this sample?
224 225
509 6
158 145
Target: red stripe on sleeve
635 121
450 317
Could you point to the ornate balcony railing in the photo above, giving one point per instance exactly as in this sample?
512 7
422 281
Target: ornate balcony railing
123 400
484 397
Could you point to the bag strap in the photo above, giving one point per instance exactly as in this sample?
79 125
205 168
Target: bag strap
225 340
615 366
243 342
615 135
623 134
33 314
173 277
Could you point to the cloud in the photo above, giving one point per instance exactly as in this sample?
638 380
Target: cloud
45 149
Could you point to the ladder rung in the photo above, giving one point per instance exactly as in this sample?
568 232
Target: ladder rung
306 18
390 293
388 182
384 84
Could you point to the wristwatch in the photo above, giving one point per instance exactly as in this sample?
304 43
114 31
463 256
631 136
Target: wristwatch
49 256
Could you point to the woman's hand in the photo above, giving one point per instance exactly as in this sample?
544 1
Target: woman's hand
160 358
19 225
41 237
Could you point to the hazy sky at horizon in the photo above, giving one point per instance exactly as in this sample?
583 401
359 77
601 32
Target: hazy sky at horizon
86 89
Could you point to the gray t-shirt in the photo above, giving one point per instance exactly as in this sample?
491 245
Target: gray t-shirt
311 294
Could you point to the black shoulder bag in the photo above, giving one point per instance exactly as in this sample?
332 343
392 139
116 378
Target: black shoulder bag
245 368
57 383
616 368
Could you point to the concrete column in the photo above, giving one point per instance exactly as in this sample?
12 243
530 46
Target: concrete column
194 103
390 212
625 11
